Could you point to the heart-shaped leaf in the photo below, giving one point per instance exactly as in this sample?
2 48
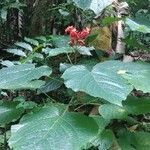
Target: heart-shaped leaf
45 128
111 80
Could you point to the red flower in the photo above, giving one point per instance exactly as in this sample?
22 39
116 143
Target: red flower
77 37
69 29
84 33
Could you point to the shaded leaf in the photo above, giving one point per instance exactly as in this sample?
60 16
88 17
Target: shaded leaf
141 140
134 141
51 85
137 106
9 112
105 140
132 105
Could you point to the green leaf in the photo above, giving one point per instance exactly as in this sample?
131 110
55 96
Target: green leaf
23 76
141 140
96 5
27 105
137 74
110 111
51 85
31 41
9 112
37 55
7 63
46 128
132 105
64 66
125 140
105 140
135 26
85 50
111 80
24 45
137 106
17 52
100 82
57 51
60 41
109 20
101 122
134 43
134 141
41 38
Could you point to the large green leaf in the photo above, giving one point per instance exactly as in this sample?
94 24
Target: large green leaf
9 112
53 129
23 76
96 5
100 82
111 80
132 105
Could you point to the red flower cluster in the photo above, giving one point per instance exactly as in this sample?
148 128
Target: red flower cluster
77 37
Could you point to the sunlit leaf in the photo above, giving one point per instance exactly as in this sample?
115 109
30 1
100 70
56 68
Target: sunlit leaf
23 76
45 128
9 112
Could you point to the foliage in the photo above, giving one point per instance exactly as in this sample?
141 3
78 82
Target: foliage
55 91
